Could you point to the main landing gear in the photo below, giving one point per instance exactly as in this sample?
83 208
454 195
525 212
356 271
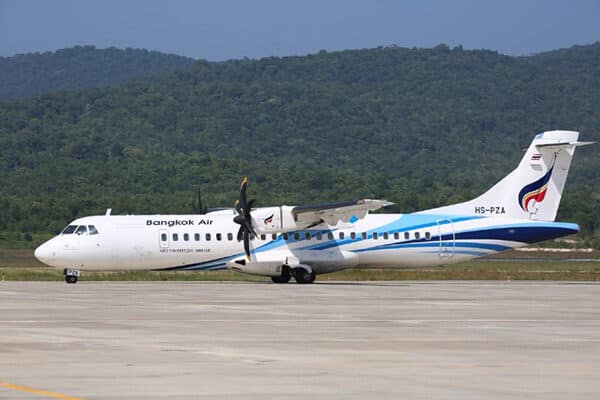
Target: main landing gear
71 275
284 277
301 275
304 276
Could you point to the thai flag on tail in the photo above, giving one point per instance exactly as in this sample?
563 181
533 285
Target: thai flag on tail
536 157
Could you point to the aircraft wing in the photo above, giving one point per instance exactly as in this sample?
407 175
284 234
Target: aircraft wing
332 213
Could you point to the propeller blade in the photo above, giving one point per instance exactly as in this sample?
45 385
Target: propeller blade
237 207
250 228
243 188
240 233
247 244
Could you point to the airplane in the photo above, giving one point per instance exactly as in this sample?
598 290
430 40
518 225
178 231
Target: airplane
303 241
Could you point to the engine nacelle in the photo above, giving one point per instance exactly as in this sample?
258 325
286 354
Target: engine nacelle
274 220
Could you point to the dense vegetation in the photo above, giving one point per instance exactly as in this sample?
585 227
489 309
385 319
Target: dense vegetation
420 127
80 67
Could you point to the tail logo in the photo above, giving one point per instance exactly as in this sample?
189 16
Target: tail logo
269 219
535 191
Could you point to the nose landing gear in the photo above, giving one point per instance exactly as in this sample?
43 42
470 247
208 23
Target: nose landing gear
71 275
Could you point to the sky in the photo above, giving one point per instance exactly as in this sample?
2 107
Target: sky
227 29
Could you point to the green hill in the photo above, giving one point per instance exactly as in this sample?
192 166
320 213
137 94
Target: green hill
80 67
420 127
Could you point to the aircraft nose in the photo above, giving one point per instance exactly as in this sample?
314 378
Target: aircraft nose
43 253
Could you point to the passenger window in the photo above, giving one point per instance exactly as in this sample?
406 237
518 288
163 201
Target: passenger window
197 237
364 235
81 230
307 235
273 236
296 236
92 230
375 235
342 235
427 235
230 236
406 235
417 235
318 236
352 235
285 236
396 235
69 229
186 236
218 236
208 237
386 235
163 237
175 237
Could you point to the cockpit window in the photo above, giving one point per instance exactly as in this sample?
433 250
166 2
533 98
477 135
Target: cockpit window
92 230
81 230
69 229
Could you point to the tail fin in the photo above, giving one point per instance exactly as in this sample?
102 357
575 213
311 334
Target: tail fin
534 189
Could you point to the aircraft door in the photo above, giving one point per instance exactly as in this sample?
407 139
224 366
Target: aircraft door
447 238
163 238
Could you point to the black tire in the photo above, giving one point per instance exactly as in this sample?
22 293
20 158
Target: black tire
284 277
70 279
303 276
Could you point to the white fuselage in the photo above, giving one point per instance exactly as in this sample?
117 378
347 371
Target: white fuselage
190 242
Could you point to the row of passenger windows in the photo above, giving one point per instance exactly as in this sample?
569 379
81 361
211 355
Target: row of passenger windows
80 230
296 236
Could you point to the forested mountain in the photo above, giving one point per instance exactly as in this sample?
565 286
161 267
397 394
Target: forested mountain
80 67
420 127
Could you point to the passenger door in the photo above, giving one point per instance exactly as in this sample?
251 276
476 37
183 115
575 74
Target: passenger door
447 238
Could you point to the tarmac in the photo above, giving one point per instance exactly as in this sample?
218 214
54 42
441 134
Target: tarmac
333 340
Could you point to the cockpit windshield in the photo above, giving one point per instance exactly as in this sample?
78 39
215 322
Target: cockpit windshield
80 230
69 229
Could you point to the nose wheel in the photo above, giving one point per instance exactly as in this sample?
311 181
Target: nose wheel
71 275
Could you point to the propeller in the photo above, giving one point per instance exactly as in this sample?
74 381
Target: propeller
243 218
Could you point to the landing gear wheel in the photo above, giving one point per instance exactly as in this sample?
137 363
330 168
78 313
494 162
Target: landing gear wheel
303 276
284 277
71 275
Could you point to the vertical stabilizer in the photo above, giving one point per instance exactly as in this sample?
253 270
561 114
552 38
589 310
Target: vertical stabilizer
534 189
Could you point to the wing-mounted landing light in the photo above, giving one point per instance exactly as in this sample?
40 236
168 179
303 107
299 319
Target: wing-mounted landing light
243 218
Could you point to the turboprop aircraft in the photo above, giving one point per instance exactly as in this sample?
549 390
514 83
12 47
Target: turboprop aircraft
303 241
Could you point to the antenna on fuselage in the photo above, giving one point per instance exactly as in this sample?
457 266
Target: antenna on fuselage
201 210
108 211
